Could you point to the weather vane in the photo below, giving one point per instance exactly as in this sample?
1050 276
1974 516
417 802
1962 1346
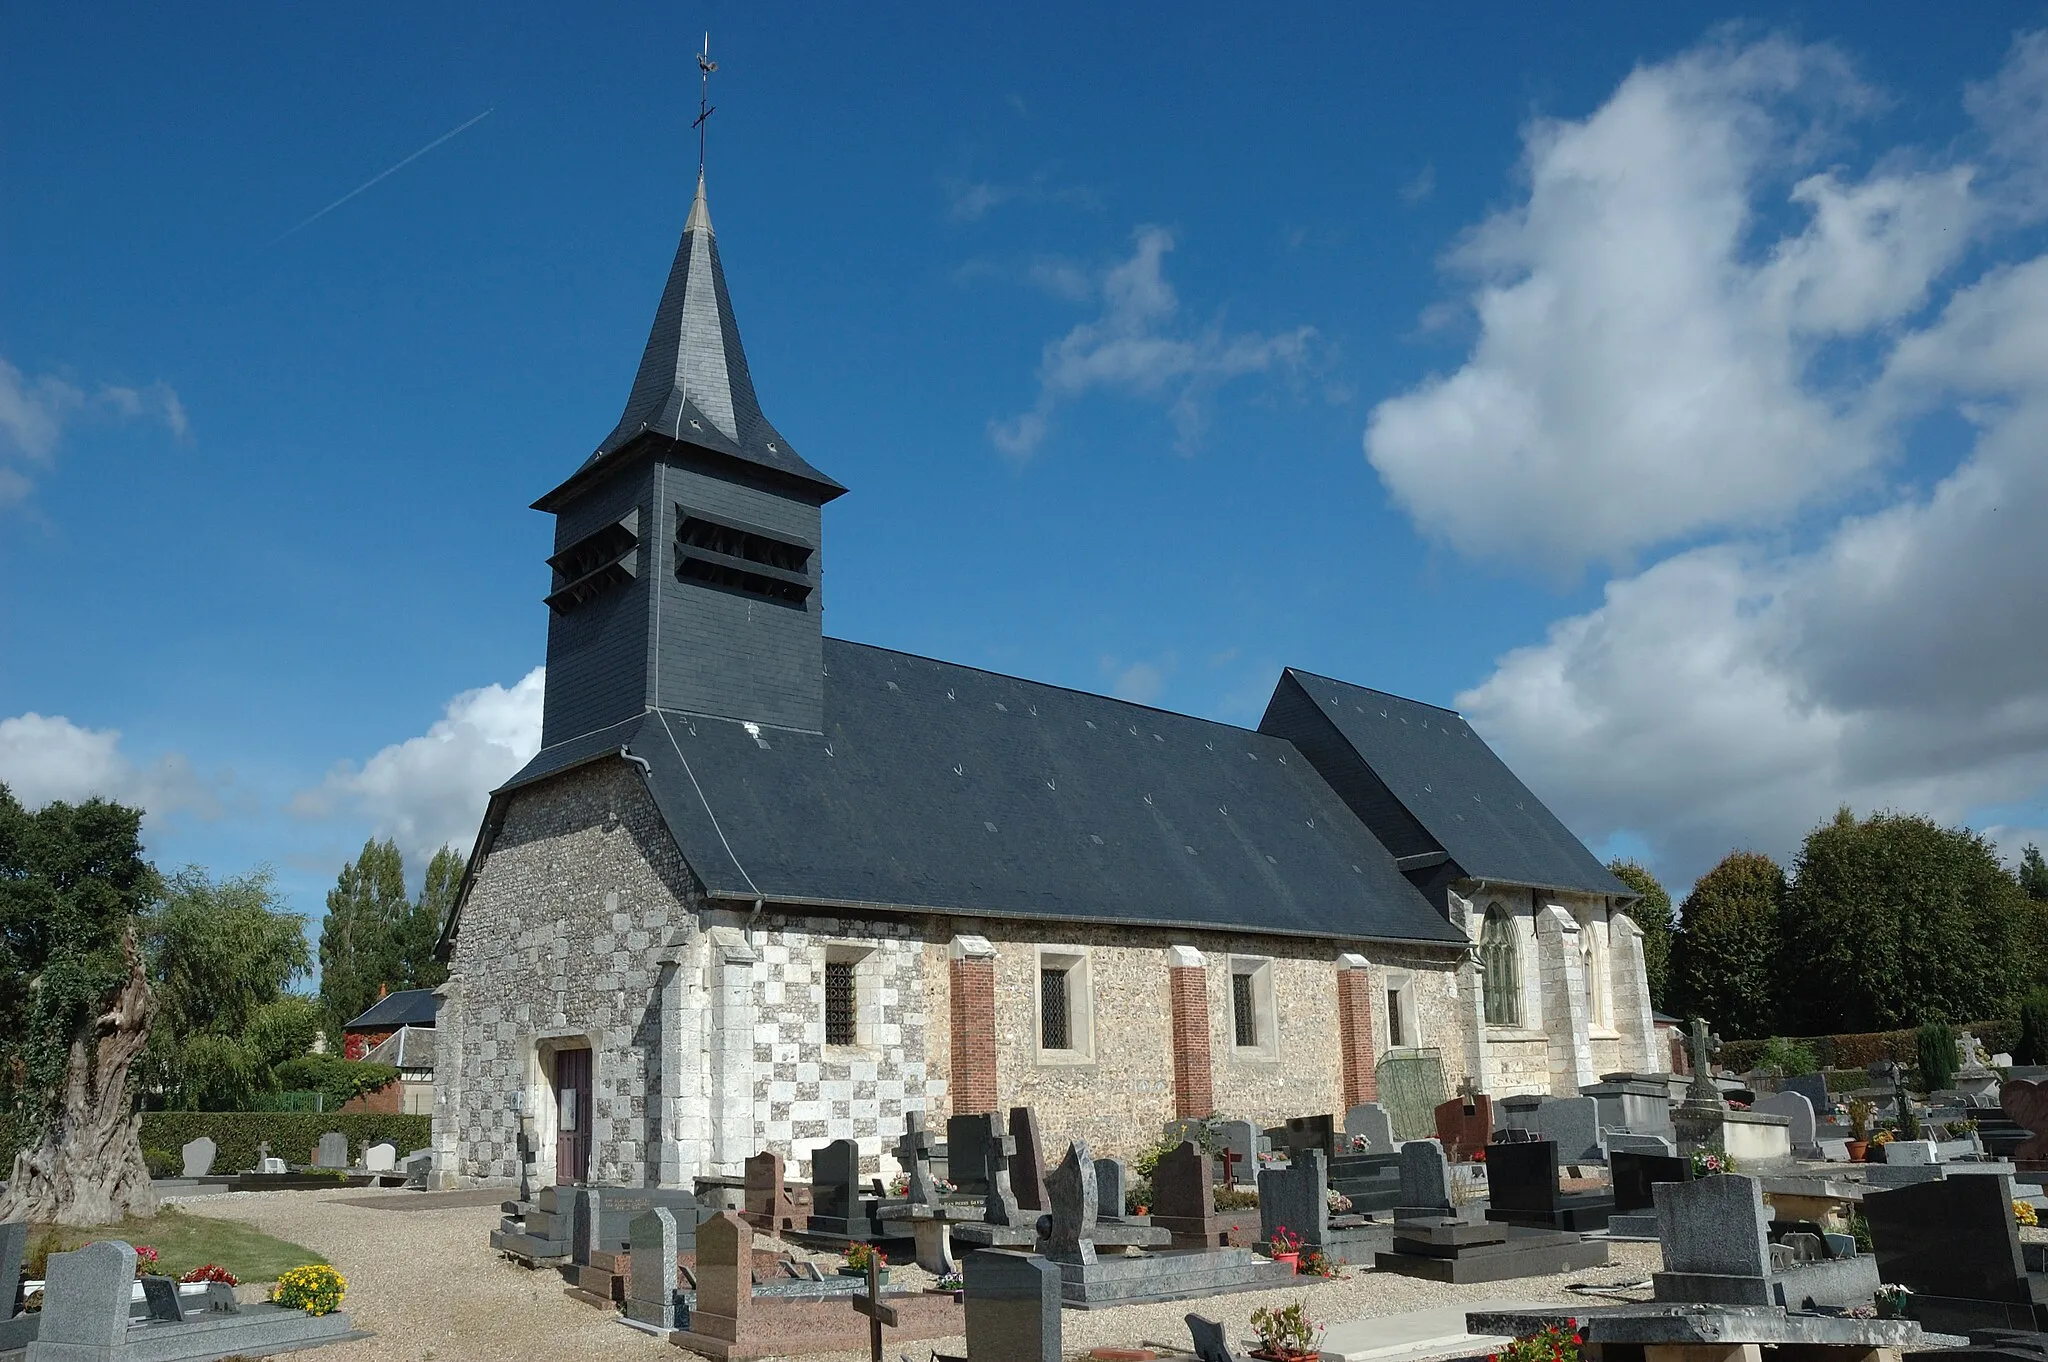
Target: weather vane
705 66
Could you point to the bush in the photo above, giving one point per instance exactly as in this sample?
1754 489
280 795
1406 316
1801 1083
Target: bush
293 1135
339 1080
1935 1044
1236 1199
162 1163
293 1099
2032 1045
318 1290
1787 1057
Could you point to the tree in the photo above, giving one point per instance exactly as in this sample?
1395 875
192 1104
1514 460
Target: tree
1724 958
1894 920
358 941
1652 913
75 1008
417 967
222 957
2034 873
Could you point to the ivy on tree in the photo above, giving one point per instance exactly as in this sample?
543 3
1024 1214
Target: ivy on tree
75 1008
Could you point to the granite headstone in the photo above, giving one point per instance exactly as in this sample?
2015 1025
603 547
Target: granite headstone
381 1157
1013 1307
332 1151
967 1140
651 1284
199 1155
1296 1198
1027 1168
1073 1191
1799 1108
1425 1181
85 1300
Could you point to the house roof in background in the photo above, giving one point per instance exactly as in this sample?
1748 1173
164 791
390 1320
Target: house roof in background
408 1007
409 1047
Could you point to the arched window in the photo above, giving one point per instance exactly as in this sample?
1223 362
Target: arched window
1500 959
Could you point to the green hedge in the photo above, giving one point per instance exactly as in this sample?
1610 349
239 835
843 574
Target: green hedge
293 1135
1860 1050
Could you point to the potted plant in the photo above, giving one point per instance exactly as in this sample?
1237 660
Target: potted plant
858 1256
1707 1162
1316 1263
1894 1302
1285 1247
1286 1333
1860 1112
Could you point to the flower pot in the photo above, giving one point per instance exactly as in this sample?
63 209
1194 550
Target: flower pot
1293 1260
1272 1355
1857 1150
881 1278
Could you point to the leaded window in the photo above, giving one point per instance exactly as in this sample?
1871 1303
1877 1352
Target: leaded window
1243 1011
1499 957
839 1003
1054 1027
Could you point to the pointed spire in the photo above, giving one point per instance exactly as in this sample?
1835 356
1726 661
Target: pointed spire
693 384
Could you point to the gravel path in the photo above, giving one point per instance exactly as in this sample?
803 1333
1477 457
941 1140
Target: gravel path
426 1282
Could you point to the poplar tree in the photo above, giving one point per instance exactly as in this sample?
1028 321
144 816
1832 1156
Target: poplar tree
1725 957
359 941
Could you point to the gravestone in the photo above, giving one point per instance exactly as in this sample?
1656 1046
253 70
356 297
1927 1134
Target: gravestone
381 1157
967 1140
1296 1198
160 1300
914 1156
1799 1108
1027 1167
585 1219
1001 1206
13 1243
1370 1120
1523 1189
651 1284
1715 1237
1636 1176
419 1166
1813 1087
1627 1142
1425 1182
1573 1125
1464 1125
333 1151
1910 1154
1112 1183
1634 1102
1212 1344
835 1191
85 1301
1236 1155
2025 1101
272 1165
1953 1244
725 1277
1183 1197
1305 1133
1013 1307
1072 1189
199 1157
768 1206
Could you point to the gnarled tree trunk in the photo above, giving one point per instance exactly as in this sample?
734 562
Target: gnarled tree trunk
88 1169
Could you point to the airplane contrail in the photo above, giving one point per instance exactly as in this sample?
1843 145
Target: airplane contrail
385 174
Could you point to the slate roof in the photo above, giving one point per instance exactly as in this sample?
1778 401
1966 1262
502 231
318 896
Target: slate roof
944 788
1449 782
409 1047
407 1007
693 384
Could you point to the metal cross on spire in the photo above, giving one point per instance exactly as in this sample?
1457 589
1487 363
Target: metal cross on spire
705 66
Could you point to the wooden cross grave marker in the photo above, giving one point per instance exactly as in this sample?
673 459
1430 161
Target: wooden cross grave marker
871 1305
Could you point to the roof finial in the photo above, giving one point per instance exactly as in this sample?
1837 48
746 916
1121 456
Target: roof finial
705 66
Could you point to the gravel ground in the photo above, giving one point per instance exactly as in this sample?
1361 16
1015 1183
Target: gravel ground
426 1282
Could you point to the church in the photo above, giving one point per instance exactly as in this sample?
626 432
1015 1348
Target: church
762 888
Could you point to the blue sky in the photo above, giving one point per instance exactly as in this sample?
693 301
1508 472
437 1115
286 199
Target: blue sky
1666 397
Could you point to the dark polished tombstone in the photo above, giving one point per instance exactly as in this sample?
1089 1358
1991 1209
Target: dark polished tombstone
13 1243
160 1300
1635 1174
1183 1199
1304 1133
837 1207
1013 1307
967 1140
1027 1168
1521 1183
1953 1244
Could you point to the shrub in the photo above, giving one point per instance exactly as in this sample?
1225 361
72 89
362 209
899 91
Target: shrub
35 1265
292 1134
2032 1045
162 1163
1236 1199
1936 1045
1787 1057
1286 1330
338 1080
316 1289
859 1255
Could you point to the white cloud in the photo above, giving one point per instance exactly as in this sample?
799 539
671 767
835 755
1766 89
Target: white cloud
973 200
1739 690
44 758
35 411
1652 315
429 791
1139 346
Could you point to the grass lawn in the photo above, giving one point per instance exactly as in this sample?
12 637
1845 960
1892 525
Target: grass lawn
186 1241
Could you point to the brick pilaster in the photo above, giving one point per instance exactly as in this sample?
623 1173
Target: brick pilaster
1354 1029
1188 985
971 1087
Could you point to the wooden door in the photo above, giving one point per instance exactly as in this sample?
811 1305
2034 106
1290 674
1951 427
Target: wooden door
572 1115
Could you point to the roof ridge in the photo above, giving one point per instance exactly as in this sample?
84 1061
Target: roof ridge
1373 690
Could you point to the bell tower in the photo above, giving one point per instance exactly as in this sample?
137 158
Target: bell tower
687 571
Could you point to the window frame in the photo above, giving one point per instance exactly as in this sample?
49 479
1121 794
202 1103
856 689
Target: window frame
1265 1044
1500 954
1073 961
866 996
